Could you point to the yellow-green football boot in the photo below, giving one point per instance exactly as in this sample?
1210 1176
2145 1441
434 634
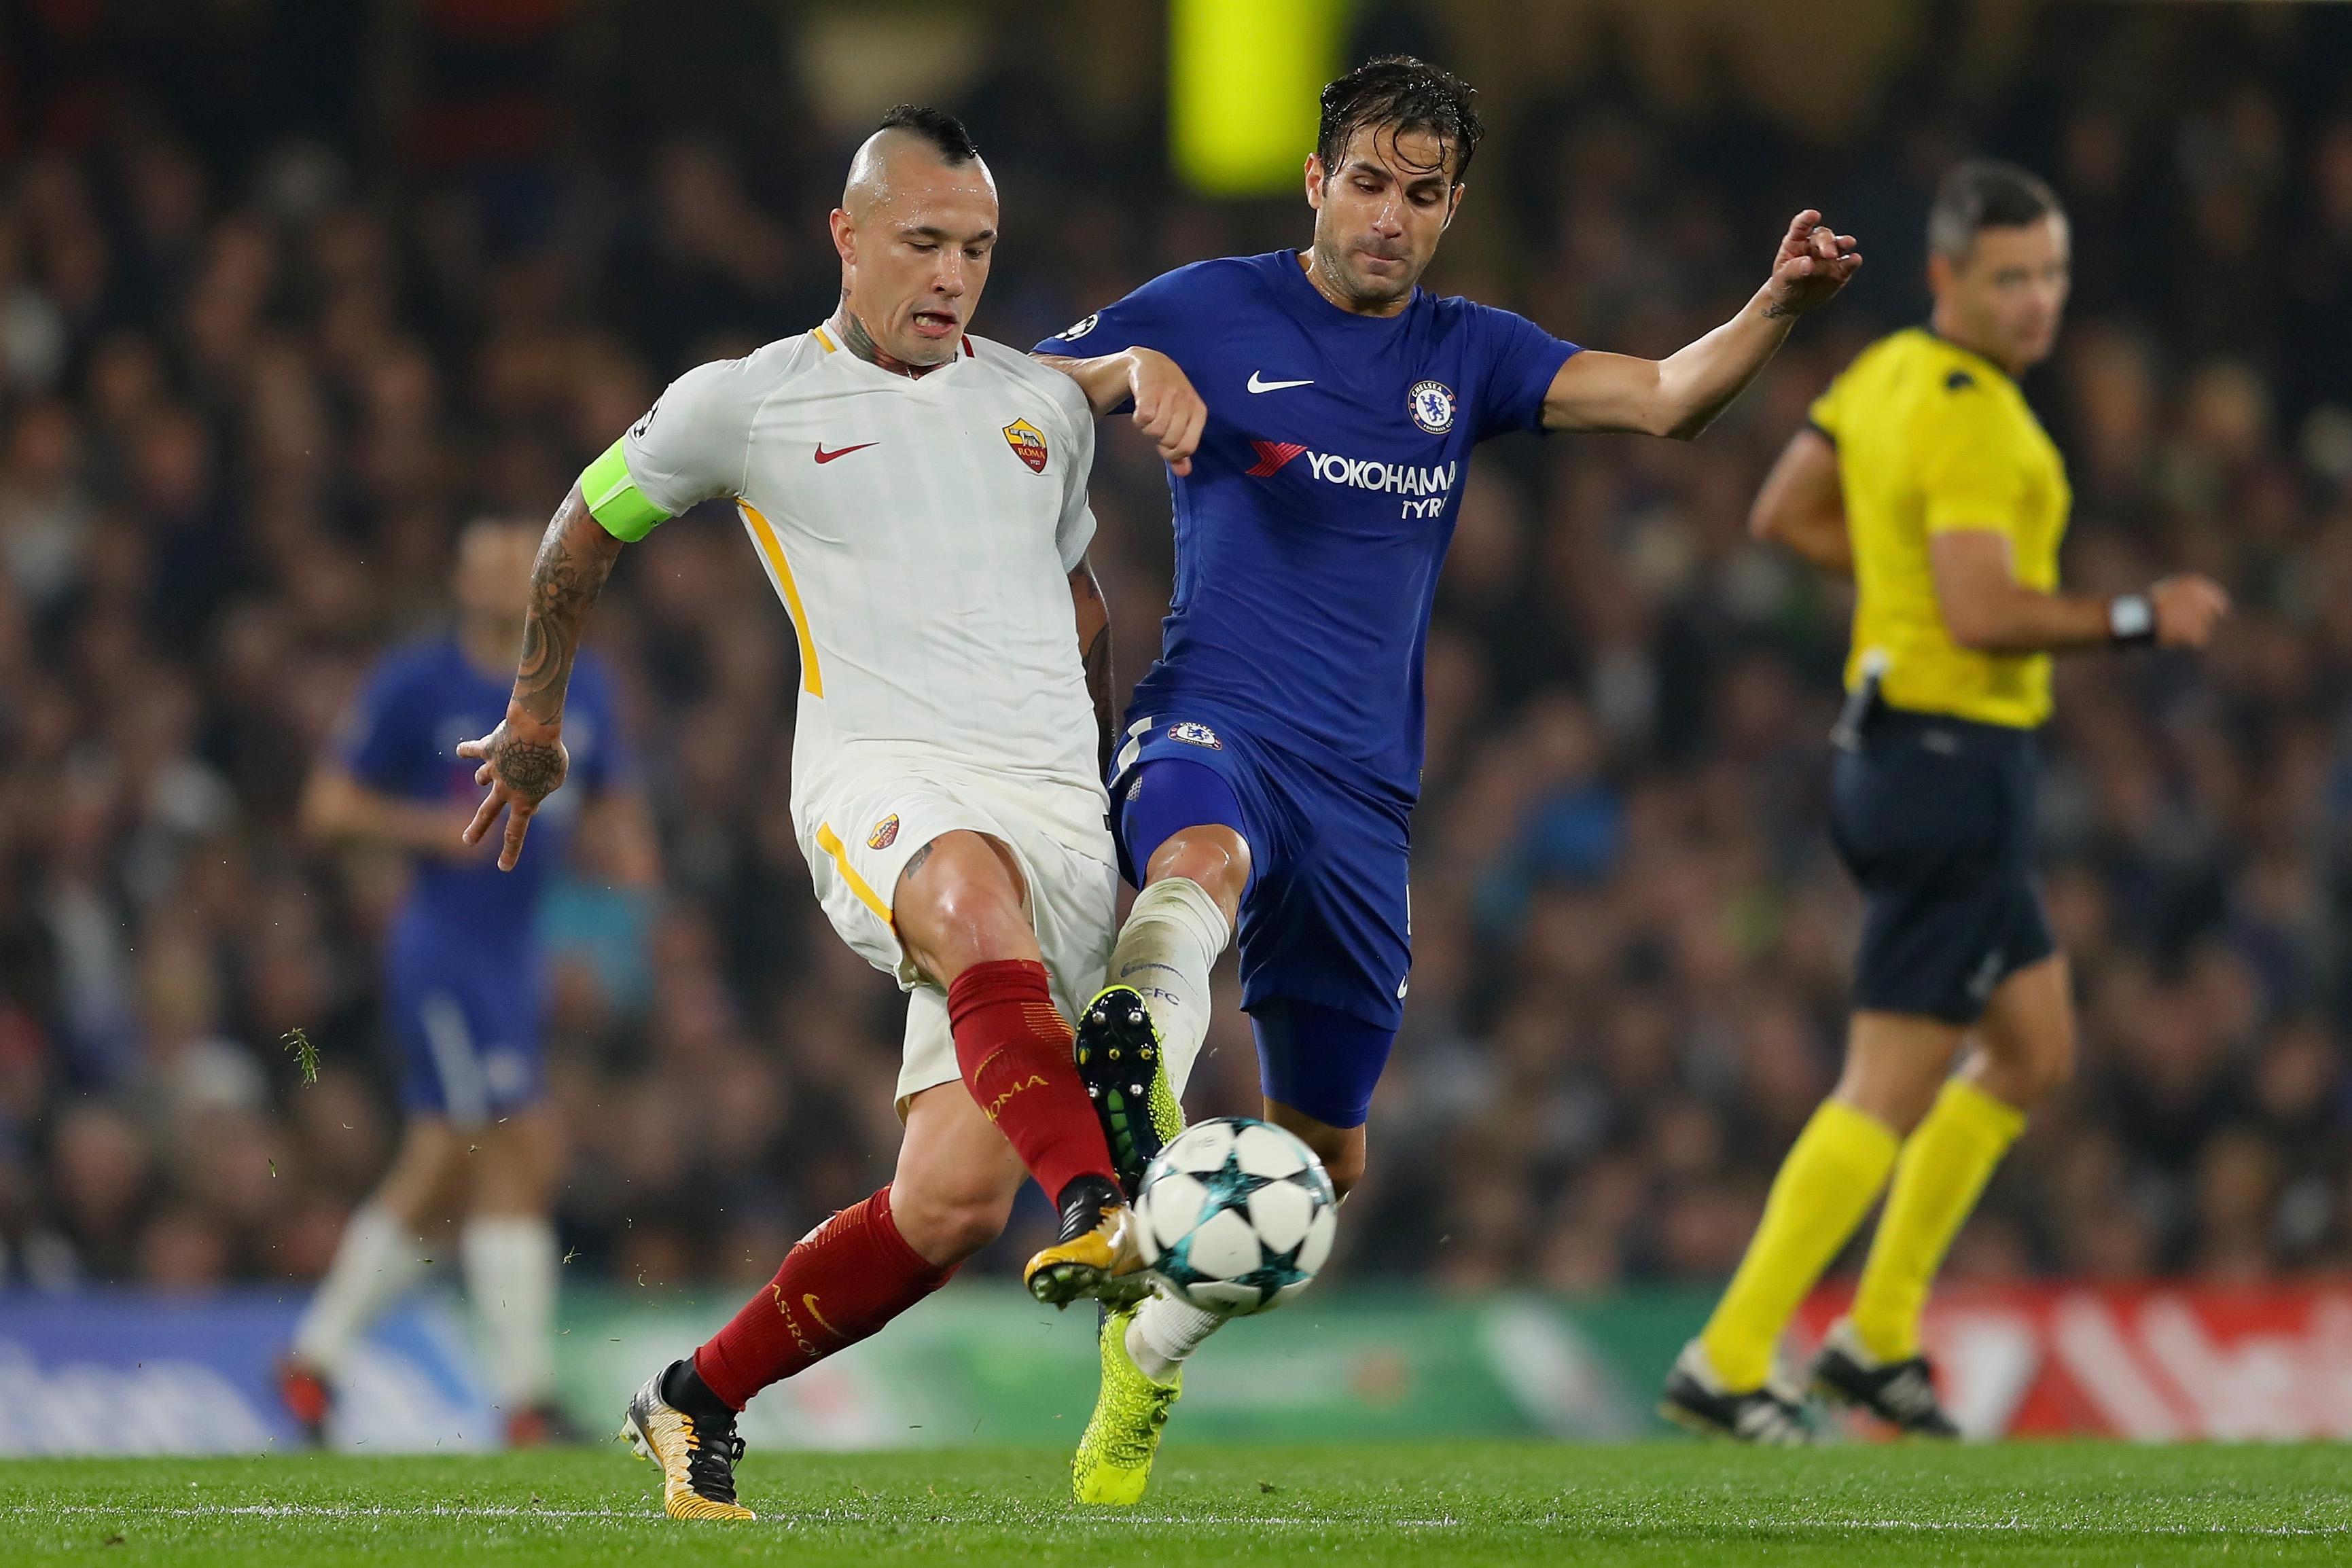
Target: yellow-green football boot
1114 1457
1125 1073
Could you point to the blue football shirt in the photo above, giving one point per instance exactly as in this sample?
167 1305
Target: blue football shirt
399 738
1311 531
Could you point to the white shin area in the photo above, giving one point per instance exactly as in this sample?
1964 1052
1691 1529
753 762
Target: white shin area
1170 941
375 1263
511 1270
1166 1331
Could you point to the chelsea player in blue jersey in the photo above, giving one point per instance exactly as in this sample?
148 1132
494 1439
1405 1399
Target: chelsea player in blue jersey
1318 411
461 979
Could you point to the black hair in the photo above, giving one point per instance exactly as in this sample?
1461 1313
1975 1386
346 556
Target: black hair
1401 93
943 130
1981 193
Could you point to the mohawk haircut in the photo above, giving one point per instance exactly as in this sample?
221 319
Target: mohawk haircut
1399 93
943 130
1981 193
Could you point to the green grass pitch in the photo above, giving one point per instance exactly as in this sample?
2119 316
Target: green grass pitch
1440 1505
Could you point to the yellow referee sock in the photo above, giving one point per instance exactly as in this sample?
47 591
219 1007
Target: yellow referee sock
1942 1170
1826 1186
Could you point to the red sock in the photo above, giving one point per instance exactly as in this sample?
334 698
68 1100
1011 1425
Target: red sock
1014 1050
841 1283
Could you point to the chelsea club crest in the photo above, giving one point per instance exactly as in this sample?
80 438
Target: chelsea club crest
1431 403
1194 734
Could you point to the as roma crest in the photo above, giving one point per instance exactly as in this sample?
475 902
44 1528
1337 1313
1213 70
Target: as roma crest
1028 443
885 834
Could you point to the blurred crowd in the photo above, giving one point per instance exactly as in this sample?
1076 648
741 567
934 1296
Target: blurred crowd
254 372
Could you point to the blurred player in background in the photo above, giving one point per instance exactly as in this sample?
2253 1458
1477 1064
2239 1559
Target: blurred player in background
1924 477
919 498
1273 755
462 977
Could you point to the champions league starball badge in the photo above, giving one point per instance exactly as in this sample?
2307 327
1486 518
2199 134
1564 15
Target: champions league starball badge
1431 403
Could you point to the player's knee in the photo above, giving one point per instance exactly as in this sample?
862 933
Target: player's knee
972 1226
1215 858
946 1227
959 904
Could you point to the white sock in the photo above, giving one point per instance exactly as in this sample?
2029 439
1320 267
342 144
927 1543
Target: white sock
375 1263
510 1280
1165 1331
1169 943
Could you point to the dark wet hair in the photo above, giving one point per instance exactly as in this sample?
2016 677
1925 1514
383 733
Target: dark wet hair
943 130
1981 193
1401 93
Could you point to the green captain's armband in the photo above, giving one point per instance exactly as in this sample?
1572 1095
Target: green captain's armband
614 500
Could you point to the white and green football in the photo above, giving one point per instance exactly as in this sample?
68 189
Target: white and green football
1237 1215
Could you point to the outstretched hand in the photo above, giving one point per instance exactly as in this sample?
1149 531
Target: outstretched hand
521 772
1814 264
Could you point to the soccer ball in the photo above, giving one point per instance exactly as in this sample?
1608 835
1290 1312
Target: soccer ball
1237 1215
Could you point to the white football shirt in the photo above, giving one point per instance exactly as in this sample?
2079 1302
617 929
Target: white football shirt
920 533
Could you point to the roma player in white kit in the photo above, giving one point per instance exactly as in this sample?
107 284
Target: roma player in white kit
918 498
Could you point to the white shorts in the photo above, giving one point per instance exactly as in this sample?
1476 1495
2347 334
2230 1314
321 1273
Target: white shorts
860 830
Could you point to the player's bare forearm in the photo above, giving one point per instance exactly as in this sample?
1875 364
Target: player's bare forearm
1699 381
1802 506
1103 378
336 808
523 760
1094 641
1680 396
1167 407
574 559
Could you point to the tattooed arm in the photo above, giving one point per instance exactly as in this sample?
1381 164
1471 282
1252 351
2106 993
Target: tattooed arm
1094 648
523 760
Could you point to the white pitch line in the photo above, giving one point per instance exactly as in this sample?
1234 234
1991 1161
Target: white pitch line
1318 1521
319 1511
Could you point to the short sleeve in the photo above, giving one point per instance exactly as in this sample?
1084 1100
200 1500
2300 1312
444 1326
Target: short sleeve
691 446
1966 455
375 739
1521 360
1075 528
1823 417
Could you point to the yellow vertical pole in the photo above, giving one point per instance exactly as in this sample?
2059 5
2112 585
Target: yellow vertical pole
1245 78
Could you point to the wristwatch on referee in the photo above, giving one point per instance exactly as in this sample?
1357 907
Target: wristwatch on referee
2131 620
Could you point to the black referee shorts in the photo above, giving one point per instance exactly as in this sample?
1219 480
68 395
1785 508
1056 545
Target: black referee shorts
1934 816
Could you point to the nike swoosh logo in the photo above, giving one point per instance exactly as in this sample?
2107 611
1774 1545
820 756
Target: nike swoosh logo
1255 385
825 456
809 1300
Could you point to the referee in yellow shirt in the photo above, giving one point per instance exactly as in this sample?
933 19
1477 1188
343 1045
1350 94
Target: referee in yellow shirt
1924 477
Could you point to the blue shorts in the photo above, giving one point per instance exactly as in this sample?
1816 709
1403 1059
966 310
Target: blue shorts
1326 921
467 1019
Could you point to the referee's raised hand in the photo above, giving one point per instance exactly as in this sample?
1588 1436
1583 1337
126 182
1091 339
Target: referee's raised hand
2188 607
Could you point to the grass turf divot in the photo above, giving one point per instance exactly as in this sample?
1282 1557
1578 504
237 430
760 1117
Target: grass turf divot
1438 1506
